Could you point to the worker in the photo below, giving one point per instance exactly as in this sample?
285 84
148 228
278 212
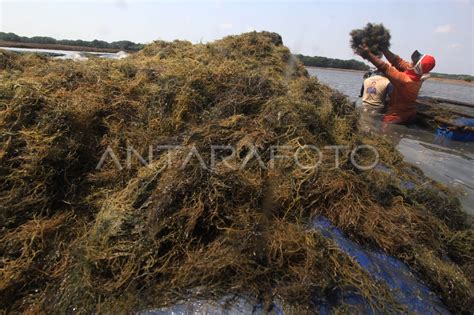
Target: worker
406 79
374 92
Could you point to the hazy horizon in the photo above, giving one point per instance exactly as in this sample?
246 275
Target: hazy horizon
315 28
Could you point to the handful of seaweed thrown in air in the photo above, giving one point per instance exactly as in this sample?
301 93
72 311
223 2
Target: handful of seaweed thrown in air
375 36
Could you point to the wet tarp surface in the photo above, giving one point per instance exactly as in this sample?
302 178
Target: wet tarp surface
406 288
466 136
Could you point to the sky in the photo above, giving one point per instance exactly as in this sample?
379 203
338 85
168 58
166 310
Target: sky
442 28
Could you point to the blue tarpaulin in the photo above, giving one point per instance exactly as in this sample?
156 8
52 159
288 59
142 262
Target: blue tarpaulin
466 136
406 288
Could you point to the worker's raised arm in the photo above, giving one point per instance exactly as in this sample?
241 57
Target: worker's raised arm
391 72
396 61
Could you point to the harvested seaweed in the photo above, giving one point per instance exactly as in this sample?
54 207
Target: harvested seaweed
375 36
125 237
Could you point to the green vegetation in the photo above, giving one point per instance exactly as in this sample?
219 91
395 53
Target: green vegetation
122 45
324 62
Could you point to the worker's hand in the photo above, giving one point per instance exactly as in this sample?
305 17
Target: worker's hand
363 51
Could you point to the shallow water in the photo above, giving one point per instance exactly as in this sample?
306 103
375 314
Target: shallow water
449 162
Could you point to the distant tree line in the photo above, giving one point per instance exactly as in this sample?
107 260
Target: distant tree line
122 45
324 62
465 77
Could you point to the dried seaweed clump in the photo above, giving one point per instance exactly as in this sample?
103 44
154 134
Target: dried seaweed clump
375 36
125 237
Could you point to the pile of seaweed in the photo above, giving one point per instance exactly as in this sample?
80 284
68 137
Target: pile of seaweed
121 237
375 36
443 117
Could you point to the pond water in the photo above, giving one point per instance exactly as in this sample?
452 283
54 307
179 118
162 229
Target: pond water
449 162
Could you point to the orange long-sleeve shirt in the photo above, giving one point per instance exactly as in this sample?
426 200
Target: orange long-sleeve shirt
402 104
